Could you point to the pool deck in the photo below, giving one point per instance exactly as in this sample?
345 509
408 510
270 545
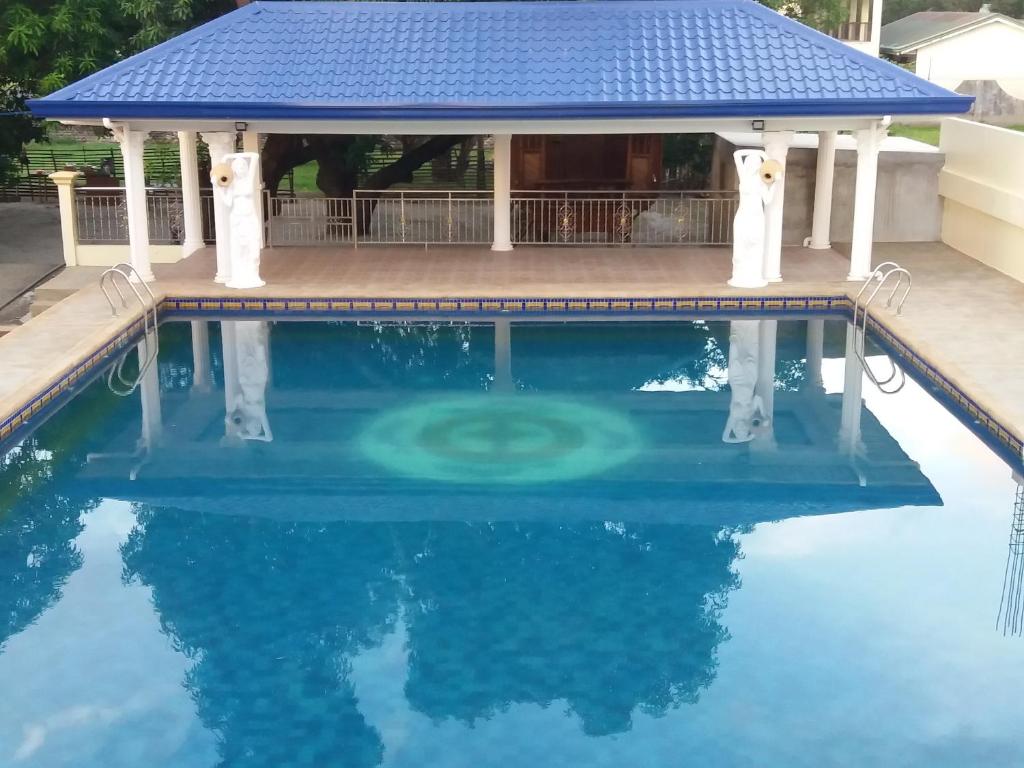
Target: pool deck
966 319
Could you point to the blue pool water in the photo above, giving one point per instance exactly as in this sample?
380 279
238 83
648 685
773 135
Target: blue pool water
509 544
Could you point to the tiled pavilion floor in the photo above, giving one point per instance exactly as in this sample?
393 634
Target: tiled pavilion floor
966 319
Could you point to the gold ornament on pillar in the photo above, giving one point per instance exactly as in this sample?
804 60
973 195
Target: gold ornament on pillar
771 171
222 175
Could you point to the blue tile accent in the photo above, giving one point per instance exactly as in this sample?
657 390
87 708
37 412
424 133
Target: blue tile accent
597 59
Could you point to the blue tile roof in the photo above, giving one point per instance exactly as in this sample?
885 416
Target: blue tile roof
587 59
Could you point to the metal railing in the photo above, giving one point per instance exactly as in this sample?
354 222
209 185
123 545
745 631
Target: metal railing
119 275
101 215
896 379
623 218
853 32
435 217
386 217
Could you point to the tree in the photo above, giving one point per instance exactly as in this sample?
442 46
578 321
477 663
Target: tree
16 128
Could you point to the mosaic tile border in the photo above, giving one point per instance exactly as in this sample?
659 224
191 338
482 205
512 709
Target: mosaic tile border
481 306
70 381
66 385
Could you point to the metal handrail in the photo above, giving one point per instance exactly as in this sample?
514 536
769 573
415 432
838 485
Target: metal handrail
117 381
882 273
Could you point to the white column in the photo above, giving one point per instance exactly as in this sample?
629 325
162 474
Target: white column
776 146
251 143
132 144
221 144
191 208
823 179
502 192
869 141
853 379
765 387
815 351
200 356
503 381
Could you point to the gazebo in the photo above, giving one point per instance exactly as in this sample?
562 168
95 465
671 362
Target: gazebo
503 69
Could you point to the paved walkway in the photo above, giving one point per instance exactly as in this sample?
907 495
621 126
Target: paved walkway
966 319
30 247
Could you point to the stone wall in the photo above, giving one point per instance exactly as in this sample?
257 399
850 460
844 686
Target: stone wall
907 204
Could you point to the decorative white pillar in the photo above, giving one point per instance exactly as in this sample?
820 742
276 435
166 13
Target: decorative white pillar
869 141
815 351
853 379
251 143
776 147
200 356
824 176
503 381
221 145
765 388
191 208
132 145
502 192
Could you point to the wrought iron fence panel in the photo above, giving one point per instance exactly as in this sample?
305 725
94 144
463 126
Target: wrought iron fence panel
101 215
544 217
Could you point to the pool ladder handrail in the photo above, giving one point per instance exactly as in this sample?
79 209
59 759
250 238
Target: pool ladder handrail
117 381
882 273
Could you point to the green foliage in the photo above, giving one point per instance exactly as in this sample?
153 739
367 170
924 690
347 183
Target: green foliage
824 15
16 128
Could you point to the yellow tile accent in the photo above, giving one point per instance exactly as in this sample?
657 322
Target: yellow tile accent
643 304
448 306
663 305
253 304
362 306
729 304
405 306
427 305
209 304
297 306
599 305
535 306
277 305
491 306
233 305
343 306
471 306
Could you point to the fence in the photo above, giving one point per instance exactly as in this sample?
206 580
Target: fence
435 217
538 217
101 216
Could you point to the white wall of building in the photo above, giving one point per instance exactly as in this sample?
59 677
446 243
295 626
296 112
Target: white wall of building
992 51
982 186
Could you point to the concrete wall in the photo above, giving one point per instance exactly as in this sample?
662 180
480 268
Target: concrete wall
982 187
907 206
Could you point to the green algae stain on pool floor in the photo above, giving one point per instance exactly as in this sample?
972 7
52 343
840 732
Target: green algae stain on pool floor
514 544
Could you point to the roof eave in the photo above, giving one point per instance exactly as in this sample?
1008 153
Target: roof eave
925 105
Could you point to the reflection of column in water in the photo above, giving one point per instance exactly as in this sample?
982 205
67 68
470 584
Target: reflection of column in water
1011 606
815 350
746 409
200 356
503 381
149 387
853 378
765 437
246 372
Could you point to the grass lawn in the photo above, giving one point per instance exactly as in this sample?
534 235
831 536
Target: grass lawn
929 134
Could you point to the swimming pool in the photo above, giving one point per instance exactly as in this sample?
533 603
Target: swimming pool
509 544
